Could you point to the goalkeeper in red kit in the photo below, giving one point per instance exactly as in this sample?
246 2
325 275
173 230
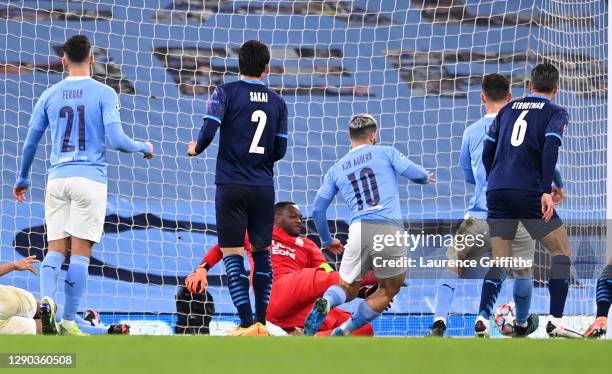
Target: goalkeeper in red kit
301 274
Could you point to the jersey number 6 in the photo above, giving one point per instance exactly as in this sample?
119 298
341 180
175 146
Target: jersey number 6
519 129
260 117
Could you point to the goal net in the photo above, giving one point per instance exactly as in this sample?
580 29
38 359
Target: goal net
415 65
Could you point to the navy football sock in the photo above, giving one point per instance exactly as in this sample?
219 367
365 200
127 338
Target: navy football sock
238 284
604 292
558 284
490 290
262 283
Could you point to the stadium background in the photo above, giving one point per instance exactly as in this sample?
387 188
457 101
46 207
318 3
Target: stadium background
416 65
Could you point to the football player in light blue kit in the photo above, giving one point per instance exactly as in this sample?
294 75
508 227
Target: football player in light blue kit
366 178
83 115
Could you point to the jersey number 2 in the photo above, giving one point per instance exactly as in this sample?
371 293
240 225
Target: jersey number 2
519 129
259 117
67 112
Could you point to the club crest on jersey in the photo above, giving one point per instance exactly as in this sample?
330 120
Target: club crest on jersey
259 97
299 241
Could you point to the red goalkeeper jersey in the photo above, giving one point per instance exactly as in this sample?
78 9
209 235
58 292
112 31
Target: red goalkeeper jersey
288 253
293 253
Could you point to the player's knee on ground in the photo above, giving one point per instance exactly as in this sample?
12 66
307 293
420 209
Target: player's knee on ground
557 242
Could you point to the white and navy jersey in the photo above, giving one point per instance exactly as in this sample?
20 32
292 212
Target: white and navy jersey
519 131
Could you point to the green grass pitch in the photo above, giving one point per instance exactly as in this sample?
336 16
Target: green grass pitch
288 355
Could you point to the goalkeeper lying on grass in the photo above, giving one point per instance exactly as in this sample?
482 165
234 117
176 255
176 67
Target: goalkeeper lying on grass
301 275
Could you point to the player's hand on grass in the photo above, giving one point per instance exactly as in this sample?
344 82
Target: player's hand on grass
557 195
548 206
431 178
26 264
335 247
19 193
197 281
149 155
191 149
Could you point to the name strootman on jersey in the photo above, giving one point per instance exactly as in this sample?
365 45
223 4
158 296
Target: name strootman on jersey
259 97
521 105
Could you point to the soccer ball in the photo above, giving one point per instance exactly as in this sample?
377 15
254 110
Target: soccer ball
504 319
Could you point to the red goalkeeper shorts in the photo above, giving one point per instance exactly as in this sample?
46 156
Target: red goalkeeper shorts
293 296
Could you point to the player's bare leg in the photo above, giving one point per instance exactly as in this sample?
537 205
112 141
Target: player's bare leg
558 245
373 306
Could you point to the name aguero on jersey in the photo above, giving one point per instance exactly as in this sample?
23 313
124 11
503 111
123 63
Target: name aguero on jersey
259 97
528 105
357 161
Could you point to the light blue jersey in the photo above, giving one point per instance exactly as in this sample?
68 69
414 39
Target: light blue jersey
82 115
366 177
470 161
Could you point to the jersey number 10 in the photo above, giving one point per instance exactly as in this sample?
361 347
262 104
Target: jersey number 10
370 187
519 129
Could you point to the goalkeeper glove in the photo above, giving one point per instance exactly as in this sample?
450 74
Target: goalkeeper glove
197 281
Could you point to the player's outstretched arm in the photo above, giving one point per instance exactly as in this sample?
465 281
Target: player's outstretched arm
118 140
23 264
197 281
115 137
409 169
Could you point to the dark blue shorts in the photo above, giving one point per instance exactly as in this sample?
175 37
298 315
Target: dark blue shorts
508 207
241 209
